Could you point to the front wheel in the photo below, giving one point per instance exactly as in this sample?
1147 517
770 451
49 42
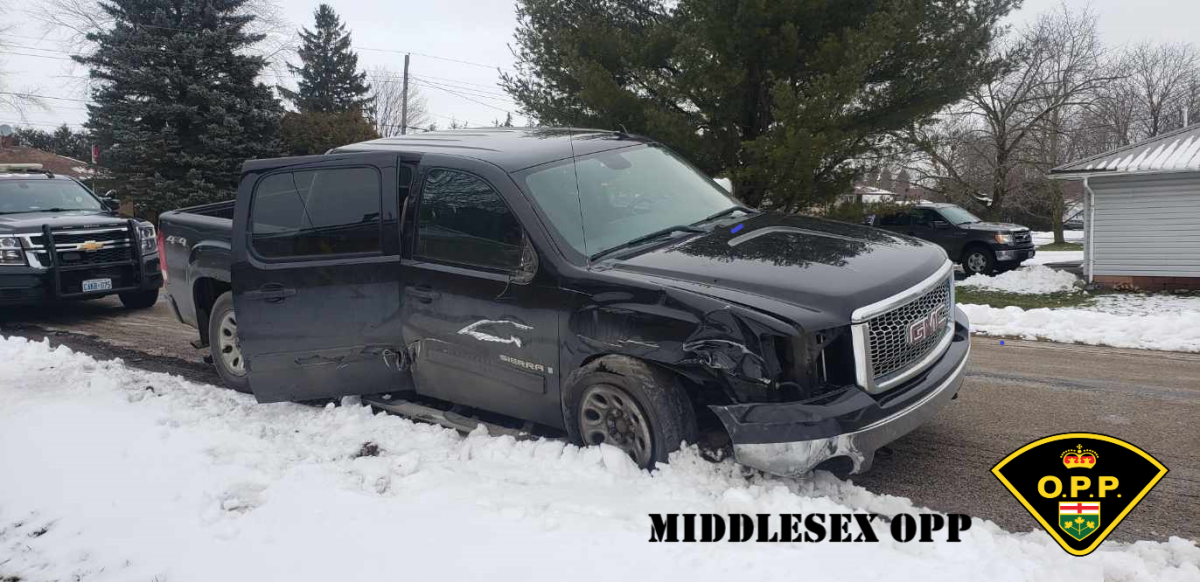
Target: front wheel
139 299
224 345
979 261
623 402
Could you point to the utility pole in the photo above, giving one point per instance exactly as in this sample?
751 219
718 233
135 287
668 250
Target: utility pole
404 101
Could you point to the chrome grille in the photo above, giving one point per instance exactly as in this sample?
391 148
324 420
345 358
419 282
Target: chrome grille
1022 237
70 245
888 334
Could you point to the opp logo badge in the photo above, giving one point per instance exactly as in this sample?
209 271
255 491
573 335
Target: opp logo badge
1079 486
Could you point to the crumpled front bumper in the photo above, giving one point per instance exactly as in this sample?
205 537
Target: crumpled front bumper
793 438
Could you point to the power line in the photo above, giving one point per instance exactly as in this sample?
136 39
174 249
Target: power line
461 96
36 96
355 47
381 79
20 123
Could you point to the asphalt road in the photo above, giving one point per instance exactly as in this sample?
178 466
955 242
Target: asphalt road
1014 394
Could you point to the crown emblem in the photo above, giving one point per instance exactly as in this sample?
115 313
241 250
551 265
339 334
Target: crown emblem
1079 458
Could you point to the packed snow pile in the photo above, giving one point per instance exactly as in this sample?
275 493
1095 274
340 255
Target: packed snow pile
1177 331
1034 280
116 474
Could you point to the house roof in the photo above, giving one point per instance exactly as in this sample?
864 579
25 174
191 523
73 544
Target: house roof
55 163
1176 151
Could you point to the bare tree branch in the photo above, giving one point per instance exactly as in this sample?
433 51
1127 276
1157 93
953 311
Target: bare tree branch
387 97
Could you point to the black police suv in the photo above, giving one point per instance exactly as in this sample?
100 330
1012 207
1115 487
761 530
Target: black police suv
59 241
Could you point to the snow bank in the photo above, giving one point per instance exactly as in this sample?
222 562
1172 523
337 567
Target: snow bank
1033 280
116 474
1178 331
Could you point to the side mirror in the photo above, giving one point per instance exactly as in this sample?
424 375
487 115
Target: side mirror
525 272
110 203
940 224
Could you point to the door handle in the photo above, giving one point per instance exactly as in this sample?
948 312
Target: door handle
423 293
273 292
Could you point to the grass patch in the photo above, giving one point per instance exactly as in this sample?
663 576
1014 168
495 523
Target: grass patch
1067 246
1001 299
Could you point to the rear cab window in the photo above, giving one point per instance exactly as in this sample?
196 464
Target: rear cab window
317 213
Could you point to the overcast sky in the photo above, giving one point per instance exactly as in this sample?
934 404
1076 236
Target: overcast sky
478 32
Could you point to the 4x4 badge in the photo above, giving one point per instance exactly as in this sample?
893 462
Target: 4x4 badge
1064 479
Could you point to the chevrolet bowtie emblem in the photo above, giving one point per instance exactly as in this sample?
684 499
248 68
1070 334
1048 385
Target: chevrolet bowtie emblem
91 245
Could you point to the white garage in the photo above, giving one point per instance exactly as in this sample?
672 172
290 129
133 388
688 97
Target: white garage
1142 212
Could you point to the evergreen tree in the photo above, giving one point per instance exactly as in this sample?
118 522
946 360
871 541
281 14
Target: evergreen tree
330 81
783 96
305 134
176 106
63 141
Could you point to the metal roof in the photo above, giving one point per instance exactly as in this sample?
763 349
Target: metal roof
1177 151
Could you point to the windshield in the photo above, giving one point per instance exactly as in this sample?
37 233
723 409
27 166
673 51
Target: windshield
623 195
957 215
18 196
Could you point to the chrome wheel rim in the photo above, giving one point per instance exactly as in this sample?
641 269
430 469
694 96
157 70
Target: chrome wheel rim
609 415
228 345
976 262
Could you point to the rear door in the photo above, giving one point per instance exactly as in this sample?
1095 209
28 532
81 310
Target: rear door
316 275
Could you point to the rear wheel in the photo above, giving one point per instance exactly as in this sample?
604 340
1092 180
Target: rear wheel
979 261
224 345
139 299
623 402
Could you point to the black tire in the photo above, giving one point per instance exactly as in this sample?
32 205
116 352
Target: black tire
220 348
630 385
979 260
139 299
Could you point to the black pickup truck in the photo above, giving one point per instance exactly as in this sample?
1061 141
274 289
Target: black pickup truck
59 242
581 281
981 247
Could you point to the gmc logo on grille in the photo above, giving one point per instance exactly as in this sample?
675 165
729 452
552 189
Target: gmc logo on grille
928 326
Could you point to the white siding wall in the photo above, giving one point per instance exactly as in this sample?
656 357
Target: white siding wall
1146 225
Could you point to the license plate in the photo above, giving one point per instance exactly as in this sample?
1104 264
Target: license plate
90 285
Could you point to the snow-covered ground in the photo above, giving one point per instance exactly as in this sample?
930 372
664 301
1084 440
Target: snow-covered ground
1047 257
1124 320
1179 331
1041 238
1033 280
110 473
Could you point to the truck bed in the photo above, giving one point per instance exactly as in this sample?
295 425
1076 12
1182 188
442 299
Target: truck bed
196 248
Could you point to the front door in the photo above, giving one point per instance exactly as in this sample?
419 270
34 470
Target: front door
316 275
482 325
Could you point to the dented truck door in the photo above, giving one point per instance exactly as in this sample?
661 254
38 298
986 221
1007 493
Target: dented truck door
481 320
316 275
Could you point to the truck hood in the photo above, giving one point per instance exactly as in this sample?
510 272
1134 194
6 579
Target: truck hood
826 267
993 227
33 221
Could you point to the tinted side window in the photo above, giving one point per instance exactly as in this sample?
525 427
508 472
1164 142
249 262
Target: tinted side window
926 216
900 219
463 220
319 212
